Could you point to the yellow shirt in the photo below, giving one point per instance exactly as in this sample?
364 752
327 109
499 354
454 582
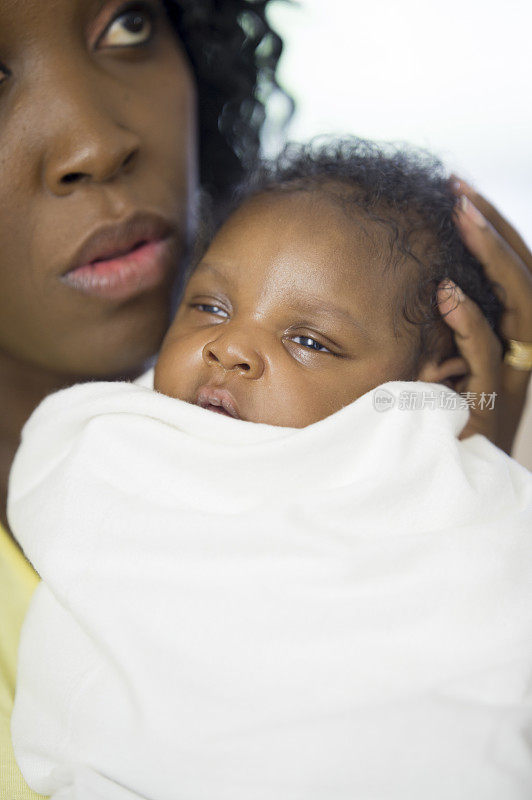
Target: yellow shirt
17 583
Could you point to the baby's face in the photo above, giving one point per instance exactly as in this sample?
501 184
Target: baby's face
287 317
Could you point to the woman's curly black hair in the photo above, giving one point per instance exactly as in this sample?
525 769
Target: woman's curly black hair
234 54
407 193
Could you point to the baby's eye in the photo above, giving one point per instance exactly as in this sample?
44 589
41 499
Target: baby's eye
133 26
4 73
208 309
307 341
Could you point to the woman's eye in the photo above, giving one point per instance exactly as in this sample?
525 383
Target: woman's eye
208 309
312 344
131 27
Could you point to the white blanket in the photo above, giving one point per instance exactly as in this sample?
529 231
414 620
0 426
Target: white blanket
232 611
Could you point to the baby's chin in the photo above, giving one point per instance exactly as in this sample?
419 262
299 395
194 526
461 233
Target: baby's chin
257 407
216 402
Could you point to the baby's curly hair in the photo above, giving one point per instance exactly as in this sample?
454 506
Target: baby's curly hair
234 54
407 193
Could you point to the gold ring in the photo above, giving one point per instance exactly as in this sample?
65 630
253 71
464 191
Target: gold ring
519 355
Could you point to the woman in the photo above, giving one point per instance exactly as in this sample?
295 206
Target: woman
110 113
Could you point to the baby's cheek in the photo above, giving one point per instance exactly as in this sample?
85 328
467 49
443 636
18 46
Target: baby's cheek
306 402
177 368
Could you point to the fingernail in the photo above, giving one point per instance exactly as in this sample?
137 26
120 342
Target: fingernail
459 293
471 211
445 291
451 289
455 183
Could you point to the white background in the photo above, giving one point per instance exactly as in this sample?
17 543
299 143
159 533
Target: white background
453 76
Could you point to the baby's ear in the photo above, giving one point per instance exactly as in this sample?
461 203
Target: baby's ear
449 372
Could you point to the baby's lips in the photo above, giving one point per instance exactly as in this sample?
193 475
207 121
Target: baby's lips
216 396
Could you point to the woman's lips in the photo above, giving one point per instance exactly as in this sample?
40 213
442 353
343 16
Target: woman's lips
142 268
219 400
123 260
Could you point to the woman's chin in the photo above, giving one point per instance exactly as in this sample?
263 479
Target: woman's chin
117 345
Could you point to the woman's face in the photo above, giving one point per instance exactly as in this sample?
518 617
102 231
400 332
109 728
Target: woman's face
97 163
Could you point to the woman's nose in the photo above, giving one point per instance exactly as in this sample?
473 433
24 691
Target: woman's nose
86 144
234 353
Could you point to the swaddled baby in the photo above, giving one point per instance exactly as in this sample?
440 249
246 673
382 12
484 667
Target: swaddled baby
334 602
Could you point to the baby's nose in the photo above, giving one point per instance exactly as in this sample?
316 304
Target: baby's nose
234 353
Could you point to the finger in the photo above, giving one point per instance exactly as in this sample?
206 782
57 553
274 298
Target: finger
474 338
456 371
495 218
481 350
502 265
456 366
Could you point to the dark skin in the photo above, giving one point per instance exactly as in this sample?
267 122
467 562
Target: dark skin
92 129
103 122
304 332
508 262
308 329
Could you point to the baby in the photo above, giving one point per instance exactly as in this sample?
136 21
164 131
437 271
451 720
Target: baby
334 602
324 283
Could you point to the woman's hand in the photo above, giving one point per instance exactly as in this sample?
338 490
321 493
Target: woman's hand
507 262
